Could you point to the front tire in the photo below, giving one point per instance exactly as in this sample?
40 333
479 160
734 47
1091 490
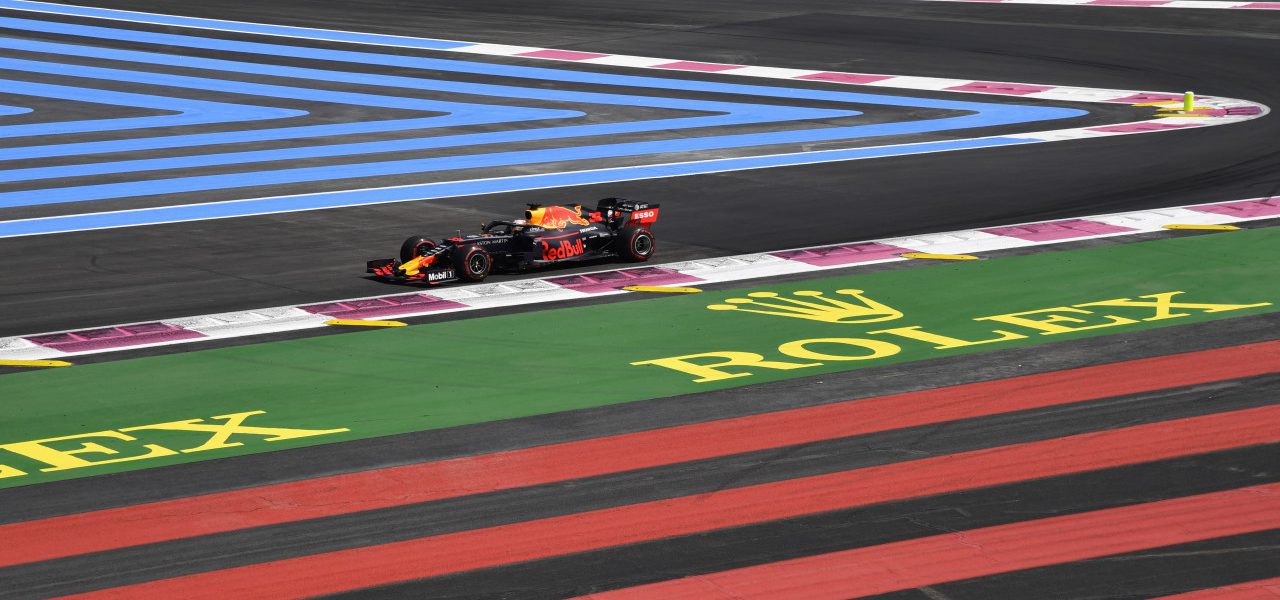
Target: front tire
472 263
635 244
414 247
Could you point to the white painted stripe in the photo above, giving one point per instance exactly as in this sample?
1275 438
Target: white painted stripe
36 353
959 242
1065 134
920 83
496 49
1202 4
720 269
1155 219
1074 94
16 348
251 322
771 72
619 60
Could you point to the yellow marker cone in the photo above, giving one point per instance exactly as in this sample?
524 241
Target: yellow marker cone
34 363
363 323
1204 227
661 289
928 256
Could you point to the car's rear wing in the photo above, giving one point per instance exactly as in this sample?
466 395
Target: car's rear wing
630 212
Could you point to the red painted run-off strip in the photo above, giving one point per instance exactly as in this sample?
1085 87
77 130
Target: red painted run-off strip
227 511
981 552
1266 589
467 550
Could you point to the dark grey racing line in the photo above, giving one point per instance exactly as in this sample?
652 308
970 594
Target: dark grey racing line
1149 574
835 531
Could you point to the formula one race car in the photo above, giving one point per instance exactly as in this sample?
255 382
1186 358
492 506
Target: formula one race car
547 235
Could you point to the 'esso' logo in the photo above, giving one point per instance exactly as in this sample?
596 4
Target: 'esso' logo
648 214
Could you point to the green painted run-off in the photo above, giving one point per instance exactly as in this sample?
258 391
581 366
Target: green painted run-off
382 382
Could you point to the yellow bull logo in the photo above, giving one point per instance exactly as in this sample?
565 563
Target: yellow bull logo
555 217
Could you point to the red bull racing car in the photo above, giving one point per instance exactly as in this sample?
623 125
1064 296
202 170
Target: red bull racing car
546 235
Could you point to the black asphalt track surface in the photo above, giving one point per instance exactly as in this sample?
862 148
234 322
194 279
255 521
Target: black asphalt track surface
835 531
1152 574
176 270
168 271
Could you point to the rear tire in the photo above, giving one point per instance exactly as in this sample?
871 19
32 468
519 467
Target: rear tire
635 244
414 247
472 263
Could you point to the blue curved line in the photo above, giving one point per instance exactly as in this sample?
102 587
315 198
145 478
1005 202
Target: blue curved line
14 110
230 137
192 112
415 144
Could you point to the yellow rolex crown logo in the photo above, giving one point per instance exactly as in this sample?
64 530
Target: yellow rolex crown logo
816 307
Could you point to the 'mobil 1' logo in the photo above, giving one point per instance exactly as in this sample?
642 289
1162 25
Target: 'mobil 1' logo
871 345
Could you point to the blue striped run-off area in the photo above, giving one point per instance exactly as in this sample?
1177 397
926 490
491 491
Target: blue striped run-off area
465 105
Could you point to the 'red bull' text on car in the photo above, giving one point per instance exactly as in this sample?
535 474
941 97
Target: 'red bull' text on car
546 235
